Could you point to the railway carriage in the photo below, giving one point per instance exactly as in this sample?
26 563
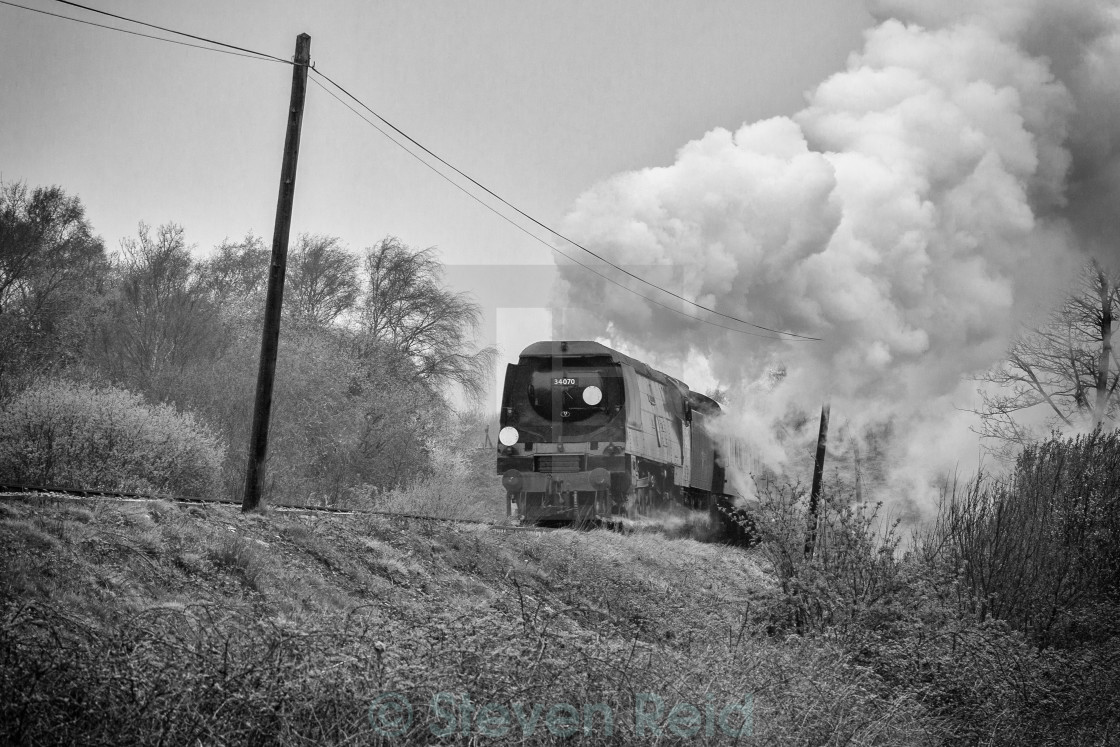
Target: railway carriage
589 435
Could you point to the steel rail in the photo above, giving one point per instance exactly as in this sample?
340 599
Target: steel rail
8 490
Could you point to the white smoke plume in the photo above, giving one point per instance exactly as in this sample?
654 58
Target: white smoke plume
922 206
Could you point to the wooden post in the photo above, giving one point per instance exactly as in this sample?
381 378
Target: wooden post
270 337
1105 294
818 476
859 470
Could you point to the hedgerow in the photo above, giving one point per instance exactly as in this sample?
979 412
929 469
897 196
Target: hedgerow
72 434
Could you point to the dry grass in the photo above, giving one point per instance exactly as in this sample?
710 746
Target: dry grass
169 624
152 622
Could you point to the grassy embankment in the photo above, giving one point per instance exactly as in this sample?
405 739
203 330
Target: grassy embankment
162 623
169 624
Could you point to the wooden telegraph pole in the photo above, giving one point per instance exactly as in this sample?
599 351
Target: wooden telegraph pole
270 338
818 478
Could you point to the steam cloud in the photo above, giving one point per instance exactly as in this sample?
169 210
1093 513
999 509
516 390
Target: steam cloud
928 200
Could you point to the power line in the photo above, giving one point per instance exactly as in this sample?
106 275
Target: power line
173 31
554 232
250 55
245 52
529 233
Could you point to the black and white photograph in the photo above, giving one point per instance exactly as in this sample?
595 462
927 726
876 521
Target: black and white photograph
521 372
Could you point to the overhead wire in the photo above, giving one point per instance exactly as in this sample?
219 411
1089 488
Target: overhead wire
551 230
176 32
472 181
526 231
245 52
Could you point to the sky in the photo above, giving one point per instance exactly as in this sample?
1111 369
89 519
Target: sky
910 182
536 100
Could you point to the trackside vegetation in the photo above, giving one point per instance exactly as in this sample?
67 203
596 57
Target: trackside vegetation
65 433
1000 618
372 340
163 623
155 622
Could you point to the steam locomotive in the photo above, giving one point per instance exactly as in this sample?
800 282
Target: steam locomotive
589 436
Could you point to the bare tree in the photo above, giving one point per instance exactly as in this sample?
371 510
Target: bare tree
1066 367
52 269
161 314
322 280
407 308
237 270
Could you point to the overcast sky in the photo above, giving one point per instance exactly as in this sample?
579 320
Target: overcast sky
538 101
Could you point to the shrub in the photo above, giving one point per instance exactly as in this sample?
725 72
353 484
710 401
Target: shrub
71 434
336 423
1040 548
852 575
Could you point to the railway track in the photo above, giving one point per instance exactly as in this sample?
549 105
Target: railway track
15 490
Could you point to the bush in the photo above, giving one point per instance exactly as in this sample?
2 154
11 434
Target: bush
71 434
1039 549
1001 620
852 576
337 423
